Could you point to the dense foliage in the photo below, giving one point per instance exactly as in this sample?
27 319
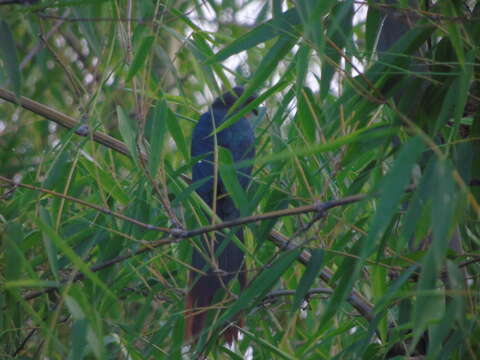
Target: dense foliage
367 168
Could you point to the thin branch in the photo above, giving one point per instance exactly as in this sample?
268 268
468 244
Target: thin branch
139 21
277 293
40 45
317 207
86 204
469 262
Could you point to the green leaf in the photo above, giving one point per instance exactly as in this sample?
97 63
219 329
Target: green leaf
12 255
140 56
74 307
128 132
302 62
157 135
392 189
199 54
258 35
312 14
86 28
463 92
229 177
72 256
57 173
30 283
454 32
261 284
307 115
381 74
107 181
273 351
203 46
311 272
418 204
177 134
372 27
177 337
231 354
8 52
49 244
339 31
454 314
443 217
78 339
248 108
381 307
366 134
268 65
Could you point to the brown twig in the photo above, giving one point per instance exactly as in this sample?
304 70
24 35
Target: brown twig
277 293
315 207
469 262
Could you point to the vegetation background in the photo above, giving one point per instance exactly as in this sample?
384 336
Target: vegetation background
364 237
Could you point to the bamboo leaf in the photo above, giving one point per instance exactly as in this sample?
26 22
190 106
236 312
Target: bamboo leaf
248 108
260 34
74 258
444 198
140 56
177 133
49 244
392 189
311 272
261 284
230 180
158 122
8 53
127 131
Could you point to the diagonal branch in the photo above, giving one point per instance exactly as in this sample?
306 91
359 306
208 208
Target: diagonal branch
64 120
316 207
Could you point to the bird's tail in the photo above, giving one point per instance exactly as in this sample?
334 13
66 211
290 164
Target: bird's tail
203 287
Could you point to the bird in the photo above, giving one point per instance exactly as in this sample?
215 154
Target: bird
215 266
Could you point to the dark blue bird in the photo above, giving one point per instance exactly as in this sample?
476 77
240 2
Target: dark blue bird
239 140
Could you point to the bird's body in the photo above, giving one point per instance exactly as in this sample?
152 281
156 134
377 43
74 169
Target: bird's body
224 254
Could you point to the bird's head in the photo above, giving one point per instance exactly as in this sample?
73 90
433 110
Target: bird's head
229 98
